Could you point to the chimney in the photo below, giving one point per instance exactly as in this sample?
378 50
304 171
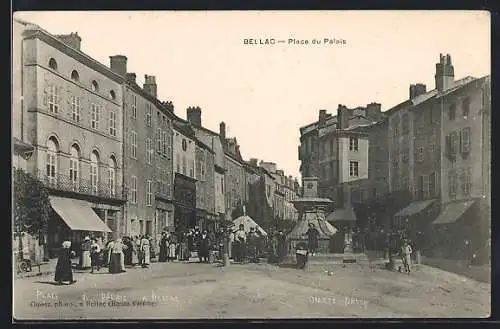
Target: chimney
373 111
222 130
168 105
417 90
445 73
193 115
118 64
130 77
150 85
280 172
73 40
342 117
322 116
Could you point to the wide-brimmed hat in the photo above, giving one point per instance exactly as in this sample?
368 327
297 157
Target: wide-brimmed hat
87 238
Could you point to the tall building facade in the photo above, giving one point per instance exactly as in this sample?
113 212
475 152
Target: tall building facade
72 114
147 152
336 149
184 151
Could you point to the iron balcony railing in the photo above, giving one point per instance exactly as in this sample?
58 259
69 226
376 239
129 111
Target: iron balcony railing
101 189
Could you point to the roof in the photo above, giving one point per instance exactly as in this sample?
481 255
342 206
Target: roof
135 87
414 208
204 146
457 85
453 212
36 32
342 214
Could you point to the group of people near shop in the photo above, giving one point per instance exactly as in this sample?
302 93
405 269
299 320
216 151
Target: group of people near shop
115 255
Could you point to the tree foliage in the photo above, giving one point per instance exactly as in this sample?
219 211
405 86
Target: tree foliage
31 203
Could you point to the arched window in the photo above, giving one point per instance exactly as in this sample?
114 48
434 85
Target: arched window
112 176
112 94
75 76
95 86
53 64
51 165
94 172
74 167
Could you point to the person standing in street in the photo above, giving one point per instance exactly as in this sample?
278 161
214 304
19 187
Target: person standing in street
95 256
85 254
239 243
145 250
162 257
64 271
172 248
312 239
406 252
204 247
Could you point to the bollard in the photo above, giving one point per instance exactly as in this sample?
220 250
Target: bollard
418 258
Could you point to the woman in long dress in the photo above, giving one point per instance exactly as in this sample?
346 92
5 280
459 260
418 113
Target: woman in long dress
115 264
145 249
172 247
63 267
85 261
162 257
135 251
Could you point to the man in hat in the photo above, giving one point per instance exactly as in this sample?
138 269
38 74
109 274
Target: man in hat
406 255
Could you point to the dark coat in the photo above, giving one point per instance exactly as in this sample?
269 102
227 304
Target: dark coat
63 267
204 246
312 237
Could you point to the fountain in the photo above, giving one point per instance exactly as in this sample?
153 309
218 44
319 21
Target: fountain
311 209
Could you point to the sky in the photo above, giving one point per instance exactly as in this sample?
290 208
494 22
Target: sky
265 93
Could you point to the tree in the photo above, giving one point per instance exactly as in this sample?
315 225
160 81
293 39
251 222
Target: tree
31 205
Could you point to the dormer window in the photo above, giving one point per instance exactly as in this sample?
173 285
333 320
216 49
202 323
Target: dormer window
95 86
53 64
75 76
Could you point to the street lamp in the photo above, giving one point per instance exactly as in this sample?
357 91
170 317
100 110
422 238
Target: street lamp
468 252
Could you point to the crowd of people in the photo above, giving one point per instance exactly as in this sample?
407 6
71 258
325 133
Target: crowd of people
208 246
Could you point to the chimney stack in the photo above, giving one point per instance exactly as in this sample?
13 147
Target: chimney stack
73 40
118 64
254 162
417 90
150 85
130 77
322 116
374 111
222 131
342 117
193 115
445 73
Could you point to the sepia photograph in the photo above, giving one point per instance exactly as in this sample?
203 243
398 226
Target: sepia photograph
251 164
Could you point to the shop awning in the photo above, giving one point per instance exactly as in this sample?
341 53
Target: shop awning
453 212
342 214
414 208
78 215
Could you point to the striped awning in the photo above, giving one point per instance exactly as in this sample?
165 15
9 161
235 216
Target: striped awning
414 208
78 215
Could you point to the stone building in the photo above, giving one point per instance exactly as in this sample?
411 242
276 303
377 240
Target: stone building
72 114
235 185
147 155
184 152
440 152
337 150
213 141
205 187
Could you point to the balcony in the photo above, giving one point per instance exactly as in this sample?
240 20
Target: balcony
83 187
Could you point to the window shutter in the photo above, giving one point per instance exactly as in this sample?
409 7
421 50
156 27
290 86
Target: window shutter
460 145
45 97
466 139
